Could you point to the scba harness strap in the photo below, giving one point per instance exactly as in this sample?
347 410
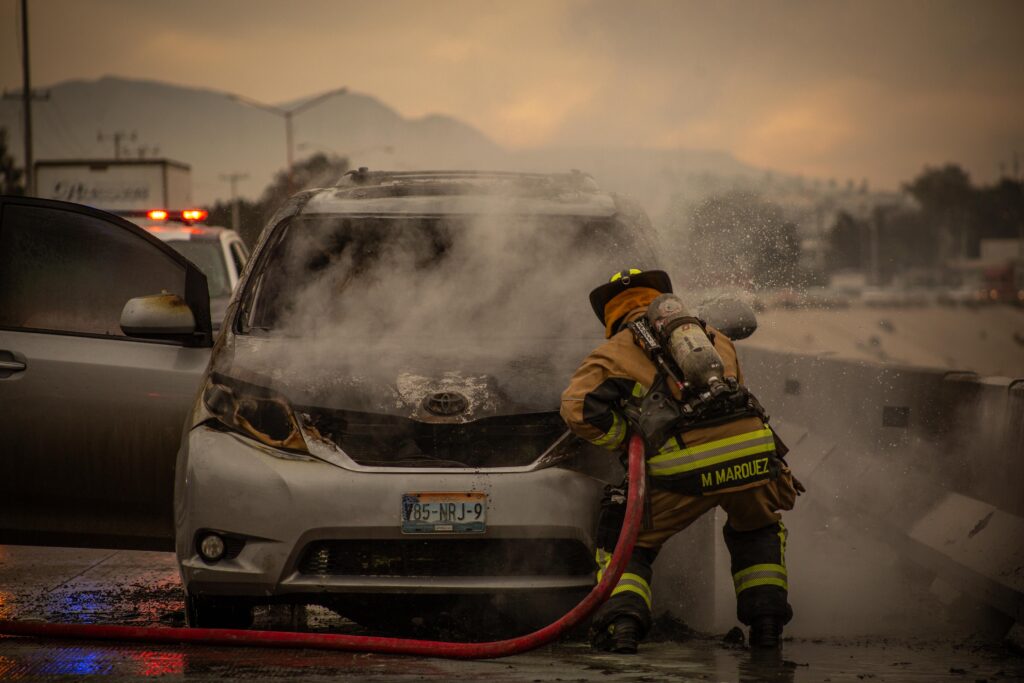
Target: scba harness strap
732 462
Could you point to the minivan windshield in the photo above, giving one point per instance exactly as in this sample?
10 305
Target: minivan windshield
439 277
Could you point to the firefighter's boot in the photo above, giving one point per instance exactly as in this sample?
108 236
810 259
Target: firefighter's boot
765 633
761 580
625 635
623 621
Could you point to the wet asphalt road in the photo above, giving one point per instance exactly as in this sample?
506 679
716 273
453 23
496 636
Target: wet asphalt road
137 588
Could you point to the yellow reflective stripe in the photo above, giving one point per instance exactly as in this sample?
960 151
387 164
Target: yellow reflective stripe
630 582
670 446
630 588
638 390
614 436
715 452
602 558
781 583
783 535
761 575
759 568
728 441
707 462
637 579
629 579
610 434
618 275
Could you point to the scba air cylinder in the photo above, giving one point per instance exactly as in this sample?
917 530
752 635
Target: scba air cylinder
688 344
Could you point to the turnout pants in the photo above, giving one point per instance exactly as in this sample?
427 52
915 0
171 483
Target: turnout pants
754 535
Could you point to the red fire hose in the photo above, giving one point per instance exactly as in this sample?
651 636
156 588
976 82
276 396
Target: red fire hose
427 648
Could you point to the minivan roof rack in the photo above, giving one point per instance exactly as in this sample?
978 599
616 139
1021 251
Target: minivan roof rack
575 179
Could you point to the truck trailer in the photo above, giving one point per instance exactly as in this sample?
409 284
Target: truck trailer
116 184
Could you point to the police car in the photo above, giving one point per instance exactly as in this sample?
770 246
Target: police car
219 252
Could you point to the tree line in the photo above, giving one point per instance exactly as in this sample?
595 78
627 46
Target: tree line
740 238
319 170
948 220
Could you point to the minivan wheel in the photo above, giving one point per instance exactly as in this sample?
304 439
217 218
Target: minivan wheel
217 612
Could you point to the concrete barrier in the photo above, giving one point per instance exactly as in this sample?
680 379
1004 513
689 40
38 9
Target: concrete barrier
928 461
971 427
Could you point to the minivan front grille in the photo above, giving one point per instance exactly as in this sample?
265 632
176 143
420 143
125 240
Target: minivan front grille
447 557
389 441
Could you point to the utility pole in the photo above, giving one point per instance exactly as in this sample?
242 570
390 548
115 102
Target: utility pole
26 96
26 89
117 137
287 115
233 178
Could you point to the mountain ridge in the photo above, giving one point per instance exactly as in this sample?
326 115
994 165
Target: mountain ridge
216 134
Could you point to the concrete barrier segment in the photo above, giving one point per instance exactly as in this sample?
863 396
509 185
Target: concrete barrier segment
980 538
973 426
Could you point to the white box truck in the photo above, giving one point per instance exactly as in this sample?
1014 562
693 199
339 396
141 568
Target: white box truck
116 184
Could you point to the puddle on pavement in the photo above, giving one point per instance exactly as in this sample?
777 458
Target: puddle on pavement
152 596
698 659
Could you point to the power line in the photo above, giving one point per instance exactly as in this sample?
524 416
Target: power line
117 137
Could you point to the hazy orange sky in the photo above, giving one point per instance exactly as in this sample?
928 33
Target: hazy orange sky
843 89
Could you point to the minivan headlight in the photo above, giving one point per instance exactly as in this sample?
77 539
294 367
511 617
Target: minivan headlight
267 418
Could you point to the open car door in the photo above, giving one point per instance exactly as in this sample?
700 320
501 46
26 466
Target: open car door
90 418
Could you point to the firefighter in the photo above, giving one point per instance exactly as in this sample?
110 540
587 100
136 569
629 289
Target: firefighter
734 462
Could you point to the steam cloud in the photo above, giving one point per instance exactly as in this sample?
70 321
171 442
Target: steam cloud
499 292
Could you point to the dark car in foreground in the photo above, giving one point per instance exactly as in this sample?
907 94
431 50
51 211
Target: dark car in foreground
104 335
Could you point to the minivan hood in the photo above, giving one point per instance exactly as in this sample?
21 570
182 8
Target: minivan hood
391 380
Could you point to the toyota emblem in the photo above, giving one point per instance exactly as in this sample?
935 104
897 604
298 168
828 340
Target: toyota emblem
446 403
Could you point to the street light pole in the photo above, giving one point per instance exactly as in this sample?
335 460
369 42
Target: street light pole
233 179
288 115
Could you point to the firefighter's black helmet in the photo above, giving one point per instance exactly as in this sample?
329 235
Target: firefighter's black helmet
627 279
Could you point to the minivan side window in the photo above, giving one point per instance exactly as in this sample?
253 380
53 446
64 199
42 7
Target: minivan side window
62 271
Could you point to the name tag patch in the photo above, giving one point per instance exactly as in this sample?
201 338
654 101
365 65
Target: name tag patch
735 474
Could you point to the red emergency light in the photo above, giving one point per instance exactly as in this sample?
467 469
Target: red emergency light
156 215
194 214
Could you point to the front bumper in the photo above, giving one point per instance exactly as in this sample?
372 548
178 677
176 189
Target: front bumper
279 506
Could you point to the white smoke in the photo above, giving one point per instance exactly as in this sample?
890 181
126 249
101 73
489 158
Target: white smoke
497 285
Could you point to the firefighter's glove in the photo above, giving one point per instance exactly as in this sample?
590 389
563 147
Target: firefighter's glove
800 488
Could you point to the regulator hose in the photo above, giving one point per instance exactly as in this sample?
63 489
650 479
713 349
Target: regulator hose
400 646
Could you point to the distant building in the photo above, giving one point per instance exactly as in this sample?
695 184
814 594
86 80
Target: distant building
1001 250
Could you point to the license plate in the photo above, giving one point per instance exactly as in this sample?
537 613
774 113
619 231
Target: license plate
444 513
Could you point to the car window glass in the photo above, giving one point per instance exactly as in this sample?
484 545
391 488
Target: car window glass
209 257
69 272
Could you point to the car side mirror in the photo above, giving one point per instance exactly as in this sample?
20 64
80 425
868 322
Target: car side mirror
735 318
158 316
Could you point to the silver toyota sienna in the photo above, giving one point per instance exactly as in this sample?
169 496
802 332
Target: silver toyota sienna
378 429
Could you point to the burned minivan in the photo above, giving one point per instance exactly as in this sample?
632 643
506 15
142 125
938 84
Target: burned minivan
378 430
